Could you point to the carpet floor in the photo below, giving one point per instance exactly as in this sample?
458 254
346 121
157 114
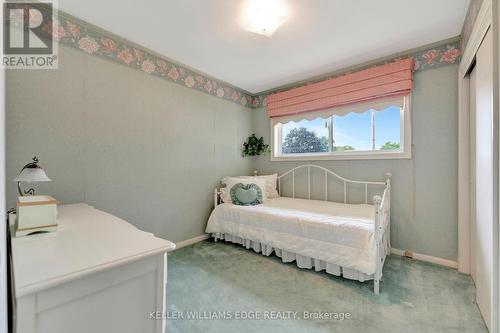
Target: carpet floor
222 287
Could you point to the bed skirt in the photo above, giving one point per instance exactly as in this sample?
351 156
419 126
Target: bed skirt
301 261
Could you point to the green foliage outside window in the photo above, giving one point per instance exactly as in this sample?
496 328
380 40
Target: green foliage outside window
301 140
390 146
343 148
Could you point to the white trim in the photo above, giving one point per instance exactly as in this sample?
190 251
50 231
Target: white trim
397 252
495 310
426 258
191 241
360 155
484 21
351 155
463 176
3 227
481 26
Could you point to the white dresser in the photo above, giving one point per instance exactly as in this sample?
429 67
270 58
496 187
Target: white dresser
96 274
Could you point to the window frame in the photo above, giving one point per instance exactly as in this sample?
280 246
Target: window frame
405 153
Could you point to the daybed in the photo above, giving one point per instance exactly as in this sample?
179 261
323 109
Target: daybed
347 239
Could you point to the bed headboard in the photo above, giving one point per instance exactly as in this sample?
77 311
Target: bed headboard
327 173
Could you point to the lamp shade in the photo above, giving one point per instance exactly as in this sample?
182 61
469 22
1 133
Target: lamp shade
30 175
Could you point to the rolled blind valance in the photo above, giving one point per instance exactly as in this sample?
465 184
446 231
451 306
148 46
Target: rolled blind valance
398 101
390 80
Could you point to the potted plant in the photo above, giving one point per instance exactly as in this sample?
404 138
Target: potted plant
254 147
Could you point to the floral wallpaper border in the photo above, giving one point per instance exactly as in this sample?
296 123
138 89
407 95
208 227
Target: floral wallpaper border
440 55
83 36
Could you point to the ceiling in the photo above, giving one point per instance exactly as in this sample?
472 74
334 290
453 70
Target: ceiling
319 36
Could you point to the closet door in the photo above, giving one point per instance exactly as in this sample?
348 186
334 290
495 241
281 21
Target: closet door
483 245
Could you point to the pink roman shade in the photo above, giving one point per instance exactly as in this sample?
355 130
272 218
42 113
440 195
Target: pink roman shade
393 79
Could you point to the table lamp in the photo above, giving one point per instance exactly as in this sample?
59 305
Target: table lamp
31 173
35 213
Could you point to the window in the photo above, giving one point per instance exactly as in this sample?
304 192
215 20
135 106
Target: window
371 131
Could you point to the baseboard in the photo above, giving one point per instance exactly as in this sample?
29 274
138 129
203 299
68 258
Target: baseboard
397 252
424 257
191 241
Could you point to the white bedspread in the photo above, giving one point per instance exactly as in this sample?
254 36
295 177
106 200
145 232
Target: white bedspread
341 234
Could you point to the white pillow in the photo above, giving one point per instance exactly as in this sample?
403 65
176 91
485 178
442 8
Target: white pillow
231 181
271 183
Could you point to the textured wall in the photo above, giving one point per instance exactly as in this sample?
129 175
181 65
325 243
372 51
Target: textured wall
424 197
137 146
150 151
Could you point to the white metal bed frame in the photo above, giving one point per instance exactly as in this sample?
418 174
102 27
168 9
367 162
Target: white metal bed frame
382 210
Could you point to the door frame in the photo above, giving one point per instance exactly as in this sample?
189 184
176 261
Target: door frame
481 26
472 173
4 287
483 23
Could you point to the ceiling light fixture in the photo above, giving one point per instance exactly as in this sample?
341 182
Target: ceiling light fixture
264 16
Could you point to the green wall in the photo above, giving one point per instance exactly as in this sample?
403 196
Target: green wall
134 145
424 189
151 151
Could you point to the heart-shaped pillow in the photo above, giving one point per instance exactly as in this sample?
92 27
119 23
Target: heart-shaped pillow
246 194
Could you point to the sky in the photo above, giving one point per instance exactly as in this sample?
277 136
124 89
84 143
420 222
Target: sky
354 129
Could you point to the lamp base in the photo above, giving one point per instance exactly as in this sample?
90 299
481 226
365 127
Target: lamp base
36 214
29 231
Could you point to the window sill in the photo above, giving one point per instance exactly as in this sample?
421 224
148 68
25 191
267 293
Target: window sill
343 157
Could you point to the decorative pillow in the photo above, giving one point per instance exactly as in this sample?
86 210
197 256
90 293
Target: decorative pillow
246 194
271 184
231 181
